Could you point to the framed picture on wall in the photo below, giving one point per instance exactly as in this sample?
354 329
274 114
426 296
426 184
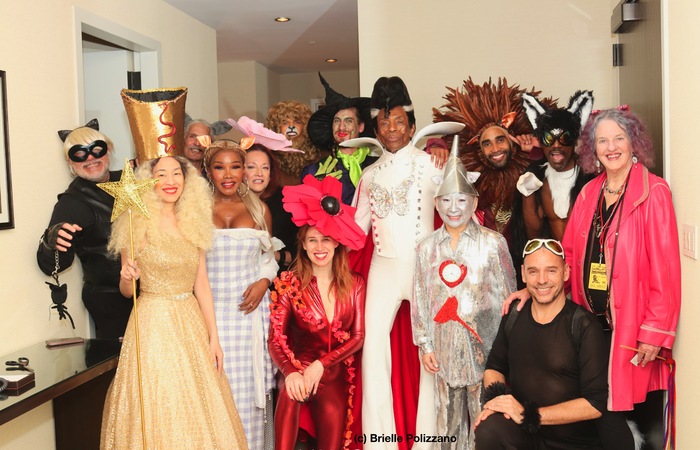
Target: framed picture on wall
6 214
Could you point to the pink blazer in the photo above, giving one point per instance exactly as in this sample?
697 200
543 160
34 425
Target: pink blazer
646 286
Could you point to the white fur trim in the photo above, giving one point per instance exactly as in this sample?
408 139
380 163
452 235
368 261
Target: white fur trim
582 106
533 109
560 185
636 434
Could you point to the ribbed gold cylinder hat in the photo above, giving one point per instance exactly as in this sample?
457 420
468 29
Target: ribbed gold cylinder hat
157 120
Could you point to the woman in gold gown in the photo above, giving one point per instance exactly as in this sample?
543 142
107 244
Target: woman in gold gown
187 401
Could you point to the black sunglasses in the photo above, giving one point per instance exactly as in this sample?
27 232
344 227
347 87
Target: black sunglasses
80 153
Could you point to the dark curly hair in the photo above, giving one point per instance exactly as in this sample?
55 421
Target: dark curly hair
640 142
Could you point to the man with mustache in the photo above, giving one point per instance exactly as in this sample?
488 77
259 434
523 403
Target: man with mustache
194 151
80 226
549 187
194 129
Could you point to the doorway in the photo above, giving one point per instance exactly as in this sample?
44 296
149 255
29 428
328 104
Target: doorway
108 57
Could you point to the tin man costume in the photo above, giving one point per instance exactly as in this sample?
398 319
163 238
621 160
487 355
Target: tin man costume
394 199
456 307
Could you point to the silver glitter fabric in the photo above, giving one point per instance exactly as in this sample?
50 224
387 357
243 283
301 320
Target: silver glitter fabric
489 279
460 352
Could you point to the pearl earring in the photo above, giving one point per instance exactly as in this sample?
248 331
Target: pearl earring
597 165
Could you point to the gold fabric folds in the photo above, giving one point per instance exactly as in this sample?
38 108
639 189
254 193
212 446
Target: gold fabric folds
157 119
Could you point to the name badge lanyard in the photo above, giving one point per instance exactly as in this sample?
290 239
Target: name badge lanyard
601 238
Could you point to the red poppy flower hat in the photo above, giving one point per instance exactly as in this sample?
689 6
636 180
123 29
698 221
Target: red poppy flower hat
317 203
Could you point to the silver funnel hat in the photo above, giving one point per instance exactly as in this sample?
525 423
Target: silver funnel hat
456 178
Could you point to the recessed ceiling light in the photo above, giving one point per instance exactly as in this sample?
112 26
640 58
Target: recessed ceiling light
282 19
331 60
311 42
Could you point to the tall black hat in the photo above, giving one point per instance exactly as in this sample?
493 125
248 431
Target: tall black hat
320 126
388 93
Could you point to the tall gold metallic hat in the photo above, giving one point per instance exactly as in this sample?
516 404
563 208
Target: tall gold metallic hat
456 178
157 119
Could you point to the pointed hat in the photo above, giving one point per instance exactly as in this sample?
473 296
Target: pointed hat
456 178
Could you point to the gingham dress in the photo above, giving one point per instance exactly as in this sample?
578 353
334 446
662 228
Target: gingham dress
237 259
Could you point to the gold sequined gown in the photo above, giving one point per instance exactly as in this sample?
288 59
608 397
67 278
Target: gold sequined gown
187 405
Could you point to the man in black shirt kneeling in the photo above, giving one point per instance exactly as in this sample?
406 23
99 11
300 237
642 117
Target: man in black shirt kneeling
545 377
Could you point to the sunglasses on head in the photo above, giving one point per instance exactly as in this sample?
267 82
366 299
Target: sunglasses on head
552 245
80 153
564 137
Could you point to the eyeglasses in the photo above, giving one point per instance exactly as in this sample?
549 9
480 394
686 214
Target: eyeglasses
79 153
564 137
552 245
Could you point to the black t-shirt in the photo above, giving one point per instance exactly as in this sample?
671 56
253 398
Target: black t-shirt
542 365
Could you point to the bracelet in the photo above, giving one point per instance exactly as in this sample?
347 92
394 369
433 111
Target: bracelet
494 390
531 417
3 384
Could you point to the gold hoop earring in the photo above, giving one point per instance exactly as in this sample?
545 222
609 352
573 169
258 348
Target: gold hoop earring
247 188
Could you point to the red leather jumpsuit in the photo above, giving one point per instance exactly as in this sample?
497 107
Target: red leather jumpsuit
301 334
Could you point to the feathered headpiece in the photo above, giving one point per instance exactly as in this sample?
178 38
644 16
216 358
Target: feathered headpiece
318 204
480 107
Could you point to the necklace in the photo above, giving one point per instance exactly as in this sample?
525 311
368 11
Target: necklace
614 191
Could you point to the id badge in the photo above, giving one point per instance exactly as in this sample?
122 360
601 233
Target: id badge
597 278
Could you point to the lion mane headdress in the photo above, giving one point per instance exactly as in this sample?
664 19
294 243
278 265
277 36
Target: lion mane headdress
480 107
293 163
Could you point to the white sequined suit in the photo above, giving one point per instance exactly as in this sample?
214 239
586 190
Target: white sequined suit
395 199
488 279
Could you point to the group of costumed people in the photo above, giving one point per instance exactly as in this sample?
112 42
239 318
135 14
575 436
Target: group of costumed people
355 359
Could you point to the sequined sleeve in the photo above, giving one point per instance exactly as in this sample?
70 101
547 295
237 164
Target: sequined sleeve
420 309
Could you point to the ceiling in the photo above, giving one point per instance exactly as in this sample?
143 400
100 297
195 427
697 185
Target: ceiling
246 30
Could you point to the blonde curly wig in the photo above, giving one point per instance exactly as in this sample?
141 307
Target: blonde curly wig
293 163
193 211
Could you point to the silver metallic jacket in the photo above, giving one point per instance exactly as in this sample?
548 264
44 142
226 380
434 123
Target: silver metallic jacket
490 278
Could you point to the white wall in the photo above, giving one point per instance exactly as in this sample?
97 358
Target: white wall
247 88
683 98
39 55
556 46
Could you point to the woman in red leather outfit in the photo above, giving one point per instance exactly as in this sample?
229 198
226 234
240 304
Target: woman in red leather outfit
318 317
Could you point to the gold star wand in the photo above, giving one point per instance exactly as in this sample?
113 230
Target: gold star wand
127 193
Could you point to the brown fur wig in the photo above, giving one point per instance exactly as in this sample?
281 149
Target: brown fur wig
479 107
292 163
